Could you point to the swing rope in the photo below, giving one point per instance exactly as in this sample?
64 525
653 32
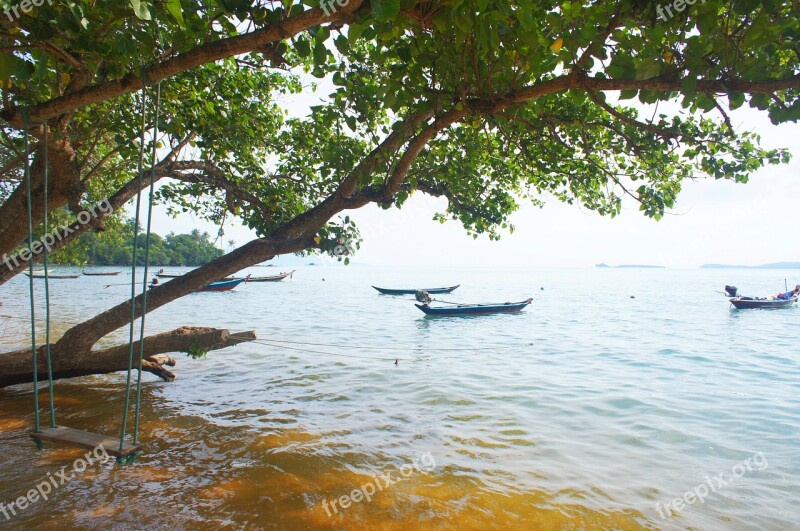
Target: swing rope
36 419
137 218
51 386
146 259
134 257
29 186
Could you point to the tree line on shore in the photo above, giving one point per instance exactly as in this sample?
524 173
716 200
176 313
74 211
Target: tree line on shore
113 247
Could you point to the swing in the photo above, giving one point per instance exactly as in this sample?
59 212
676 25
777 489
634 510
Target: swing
125 452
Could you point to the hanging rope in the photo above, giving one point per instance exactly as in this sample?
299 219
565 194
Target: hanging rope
133 267
146 263
27 171
51 386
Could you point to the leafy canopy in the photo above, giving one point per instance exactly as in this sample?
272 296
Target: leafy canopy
487 102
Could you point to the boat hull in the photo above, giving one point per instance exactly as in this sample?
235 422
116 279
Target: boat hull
52 277
111 274
274 278
475 309
753 304
224 286
432 291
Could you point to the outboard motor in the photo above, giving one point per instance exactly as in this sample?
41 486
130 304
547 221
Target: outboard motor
423 296
732 291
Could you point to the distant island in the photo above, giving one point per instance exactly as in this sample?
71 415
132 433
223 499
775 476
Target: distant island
776 265
631 266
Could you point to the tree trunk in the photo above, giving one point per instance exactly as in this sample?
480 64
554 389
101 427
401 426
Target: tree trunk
16 366
64 187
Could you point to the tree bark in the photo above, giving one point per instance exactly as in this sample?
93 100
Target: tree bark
16 366
64 187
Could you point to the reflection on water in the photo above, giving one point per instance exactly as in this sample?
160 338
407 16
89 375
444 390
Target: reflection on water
201 475
583 411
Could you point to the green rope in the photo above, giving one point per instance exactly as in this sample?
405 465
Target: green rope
37 421
47 285
133 274
146 265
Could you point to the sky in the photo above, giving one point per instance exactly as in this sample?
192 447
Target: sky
713 222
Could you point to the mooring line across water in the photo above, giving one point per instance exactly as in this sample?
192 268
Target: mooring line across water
274 345
394 349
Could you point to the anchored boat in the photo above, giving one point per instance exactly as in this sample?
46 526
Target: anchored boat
51 276
225 285
474 309
273 278
749 303
434 291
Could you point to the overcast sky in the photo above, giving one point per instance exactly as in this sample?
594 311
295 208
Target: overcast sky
713 222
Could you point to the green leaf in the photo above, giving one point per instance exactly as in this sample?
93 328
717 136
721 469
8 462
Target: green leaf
141 9
7 65
385 9
175 9
647 69
320 52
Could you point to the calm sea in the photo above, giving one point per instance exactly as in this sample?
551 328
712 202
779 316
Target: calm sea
615 391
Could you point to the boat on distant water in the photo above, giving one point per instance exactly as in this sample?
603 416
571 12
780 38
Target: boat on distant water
51 276
406 291
273 278
225 285
101 273
168 275
474 309
750 303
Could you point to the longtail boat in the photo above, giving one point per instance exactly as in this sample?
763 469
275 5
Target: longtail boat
405 291
168 275
474 309
51 276
101 273
273 278
225 285
749 303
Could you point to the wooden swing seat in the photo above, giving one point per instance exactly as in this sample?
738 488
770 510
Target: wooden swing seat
84 439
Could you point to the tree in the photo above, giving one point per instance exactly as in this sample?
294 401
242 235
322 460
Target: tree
487 103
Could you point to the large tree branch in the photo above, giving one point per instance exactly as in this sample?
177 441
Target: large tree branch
207 53
81 337
17 365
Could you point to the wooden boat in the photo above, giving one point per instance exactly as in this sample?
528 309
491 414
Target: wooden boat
225 285
101 273
273 278
51 276
748 303
432 291
474 309
168 275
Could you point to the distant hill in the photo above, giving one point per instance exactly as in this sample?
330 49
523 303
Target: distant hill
776 265
632 266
